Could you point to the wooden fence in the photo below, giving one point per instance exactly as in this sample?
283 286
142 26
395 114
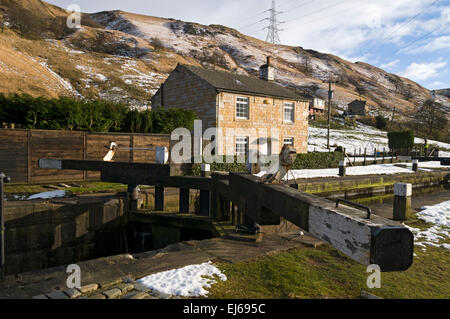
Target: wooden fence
20 151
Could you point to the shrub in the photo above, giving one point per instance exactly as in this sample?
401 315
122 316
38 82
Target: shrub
402 140
315 160
67 113
381 122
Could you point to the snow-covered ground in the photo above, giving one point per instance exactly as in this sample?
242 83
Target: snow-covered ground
378 169
48 195
361 137
439 217
188 281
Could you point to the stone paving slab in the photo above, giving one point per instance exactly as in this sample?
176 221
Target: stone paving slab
114 277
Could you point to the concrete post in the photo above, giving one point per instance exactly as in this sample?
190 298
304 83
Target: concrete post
402 201
206 170
342 168
415 165
133 195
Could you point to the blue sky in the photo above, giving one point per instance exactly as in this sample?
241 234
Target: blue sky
407 37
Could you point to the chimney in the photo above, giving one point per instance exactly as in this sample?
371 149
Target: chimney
266 71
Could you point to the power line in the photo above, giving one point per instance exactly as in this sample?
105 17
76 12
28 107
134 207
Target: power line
421 38
316 11
261 13
401 26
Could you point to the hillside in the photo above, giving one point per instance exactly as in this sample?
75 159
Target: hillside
124 57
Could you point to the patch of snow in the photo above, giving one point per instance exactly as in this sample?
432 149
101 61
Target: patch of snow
48 195
188 281
439 216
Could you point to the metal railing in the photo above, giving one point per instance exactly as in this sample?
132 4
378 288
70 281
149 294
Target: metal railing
339 200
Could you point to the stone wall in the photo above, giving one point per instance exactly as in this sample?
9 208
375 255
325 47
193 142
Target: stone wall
266 119
43 234
185 90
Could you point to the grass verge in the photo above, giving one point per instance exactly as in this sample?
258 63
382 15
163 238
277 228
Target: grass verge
326 273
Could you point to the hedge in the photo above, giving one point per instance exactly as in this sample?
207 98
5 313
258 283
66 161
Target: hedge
67 113
401 139
315 160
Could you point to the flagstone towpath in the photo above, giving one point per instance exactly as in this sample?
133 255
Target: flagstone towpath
115 277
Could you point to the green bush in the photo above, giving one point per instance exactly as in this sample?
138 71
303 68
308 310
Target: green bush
318 160
67 113
401 139
315 160
381 122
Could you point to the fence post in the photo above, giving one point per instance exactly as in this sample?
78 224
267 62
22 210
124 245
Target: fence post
3 179
29 156
365 155
342 168
402 201
415 165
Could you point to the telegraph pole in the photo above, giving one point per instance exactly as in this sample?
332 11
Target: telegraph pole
330 98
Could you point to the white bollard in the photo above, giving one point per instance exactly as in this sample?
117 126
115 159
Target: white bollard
402 201
206 170
162 155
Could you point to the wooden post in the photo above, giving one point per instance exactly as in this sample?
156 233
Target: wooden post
365 155
354 156
85 154
375 155
384 151
415 165
29 156
342 168
402 201
159 198
184 201
204 203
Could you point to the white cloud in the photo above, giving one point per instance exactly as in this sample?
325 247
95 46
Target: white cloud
390 65
436 44
423 71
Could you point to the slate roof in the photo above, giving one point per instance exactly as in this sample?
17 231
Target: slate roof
231 82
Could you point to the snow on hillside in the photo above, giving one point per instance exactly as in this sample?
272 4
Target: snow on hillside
358 139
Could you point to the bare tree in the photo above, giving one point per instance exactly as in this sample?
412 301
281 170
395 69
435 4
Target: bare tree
407 92
431 116
306 65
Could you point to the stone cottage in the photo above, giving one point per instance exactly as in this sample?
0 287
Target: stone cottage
357 107
248 112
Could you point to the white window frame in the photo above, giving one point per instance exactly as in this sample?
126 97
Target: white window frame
291 107
240 103
242 140
288 141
